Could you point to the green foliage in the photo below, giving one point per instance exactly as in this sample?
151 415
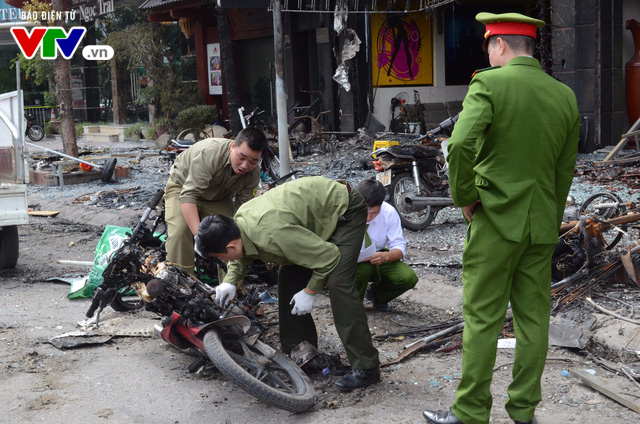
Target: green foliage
48 128
159 126
163 125
196 117
154 48
149 95
414 113
37 69
150 133
179 95
50 99
125 15
79 128
146 44
134 131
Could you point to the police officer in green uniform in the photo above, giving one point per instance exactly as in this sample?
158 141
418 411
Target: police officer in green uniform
211 177
511 162
313 227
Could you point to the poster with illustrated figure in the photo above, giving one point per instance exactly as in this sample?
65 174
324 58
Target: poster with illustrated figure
215 68
402 49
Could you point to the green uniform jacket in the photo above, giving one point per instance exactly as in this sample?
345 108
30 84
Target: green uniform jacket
290 225
205 174
499 154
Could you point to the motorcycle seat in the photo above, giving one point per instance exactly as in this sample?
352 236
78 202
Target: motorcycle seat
183 143
414 151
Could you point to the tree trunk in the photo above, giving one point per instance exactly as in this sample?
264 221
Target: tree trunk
119 92
64 94
228 71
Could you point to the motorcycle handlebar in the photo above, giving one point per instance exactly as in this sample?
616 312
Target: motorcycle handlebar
444 125
156 199
152 205
95 303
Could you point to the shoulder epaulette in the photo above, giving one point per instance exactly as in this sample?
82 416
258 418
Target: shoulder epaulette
477 71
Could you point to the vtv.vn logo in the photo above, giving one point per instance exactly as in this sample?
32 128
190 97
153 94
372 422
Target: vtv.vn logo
54 39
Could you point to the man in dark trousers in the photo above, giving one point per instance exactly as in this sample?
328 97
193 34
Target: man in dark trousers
313 227
511 162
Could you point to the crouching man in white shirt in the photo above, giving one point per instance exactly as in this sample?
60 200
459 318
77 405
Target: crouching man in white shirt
390 277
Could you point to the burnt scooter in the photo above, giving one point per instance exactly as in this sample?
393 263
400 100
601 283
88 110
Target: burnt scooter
231 338
415 176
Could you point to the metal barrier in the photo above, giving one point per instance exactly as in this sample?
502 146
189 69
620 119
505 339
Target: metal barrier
40 114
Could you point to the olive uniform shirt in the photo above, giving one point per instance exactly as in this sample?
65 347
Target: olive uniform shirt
501 155
205 174
290 225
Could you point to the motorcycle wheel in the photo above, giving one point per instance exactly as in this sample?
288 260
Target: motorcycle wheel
123 303
591 209
261 371
35 132
9 243
411 217
108 170
271 164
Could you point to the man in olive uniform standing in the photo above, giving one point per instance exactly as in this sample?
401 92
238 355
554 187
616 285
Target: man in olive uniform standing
313 227
511 162
204 181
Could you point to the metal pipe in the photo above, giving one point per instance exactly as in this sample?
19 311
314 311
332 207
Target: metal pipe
281 91
416 177
19 161
70 262
428 201
63 155
436 336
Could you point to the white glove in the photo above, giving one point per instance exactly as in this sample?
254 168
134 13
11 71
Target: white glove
302 303
224 293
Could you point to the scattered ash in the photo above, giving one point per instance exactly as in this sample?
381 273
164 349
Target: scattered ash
149 173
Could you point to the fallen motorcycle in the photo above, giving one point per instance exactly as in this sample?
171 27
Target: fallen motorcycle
191 321
415 176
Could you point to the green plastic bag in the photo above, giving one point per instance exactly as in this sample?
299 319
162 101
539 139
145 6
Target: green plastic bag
112 238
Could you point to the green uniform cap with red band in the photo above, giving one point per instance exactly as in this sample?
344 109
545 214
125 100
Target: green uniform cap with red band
508 24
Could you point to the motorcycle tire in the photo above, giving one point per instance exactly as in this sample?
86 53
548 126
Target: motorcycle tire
411 217
122 303
108 170
589 209
35 132
261 371
271 164
9 246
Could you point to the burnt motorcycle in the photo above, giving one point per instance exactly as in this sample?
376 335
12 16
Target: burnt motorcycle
138 275
415 176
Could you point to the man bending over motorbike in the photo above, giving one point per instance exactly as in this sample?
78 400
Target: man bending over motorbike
203 181
313 228
390 276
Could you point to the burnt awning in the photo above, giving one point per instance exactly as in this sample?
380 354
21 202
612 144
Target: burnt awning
151 4
312 6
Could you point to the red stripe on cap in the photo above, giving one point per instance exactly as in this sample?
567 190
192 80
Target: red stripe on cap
510 28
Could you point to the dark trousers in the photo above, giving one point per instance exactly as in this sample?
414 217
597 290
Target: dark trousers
348 311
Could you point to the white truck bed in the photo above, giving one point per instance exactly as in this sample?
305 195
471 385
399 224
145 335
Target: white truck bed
13 204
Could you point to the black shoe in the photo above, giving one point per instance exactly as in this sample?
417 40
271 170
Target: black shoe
523 422
368 295
357 379
441 417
